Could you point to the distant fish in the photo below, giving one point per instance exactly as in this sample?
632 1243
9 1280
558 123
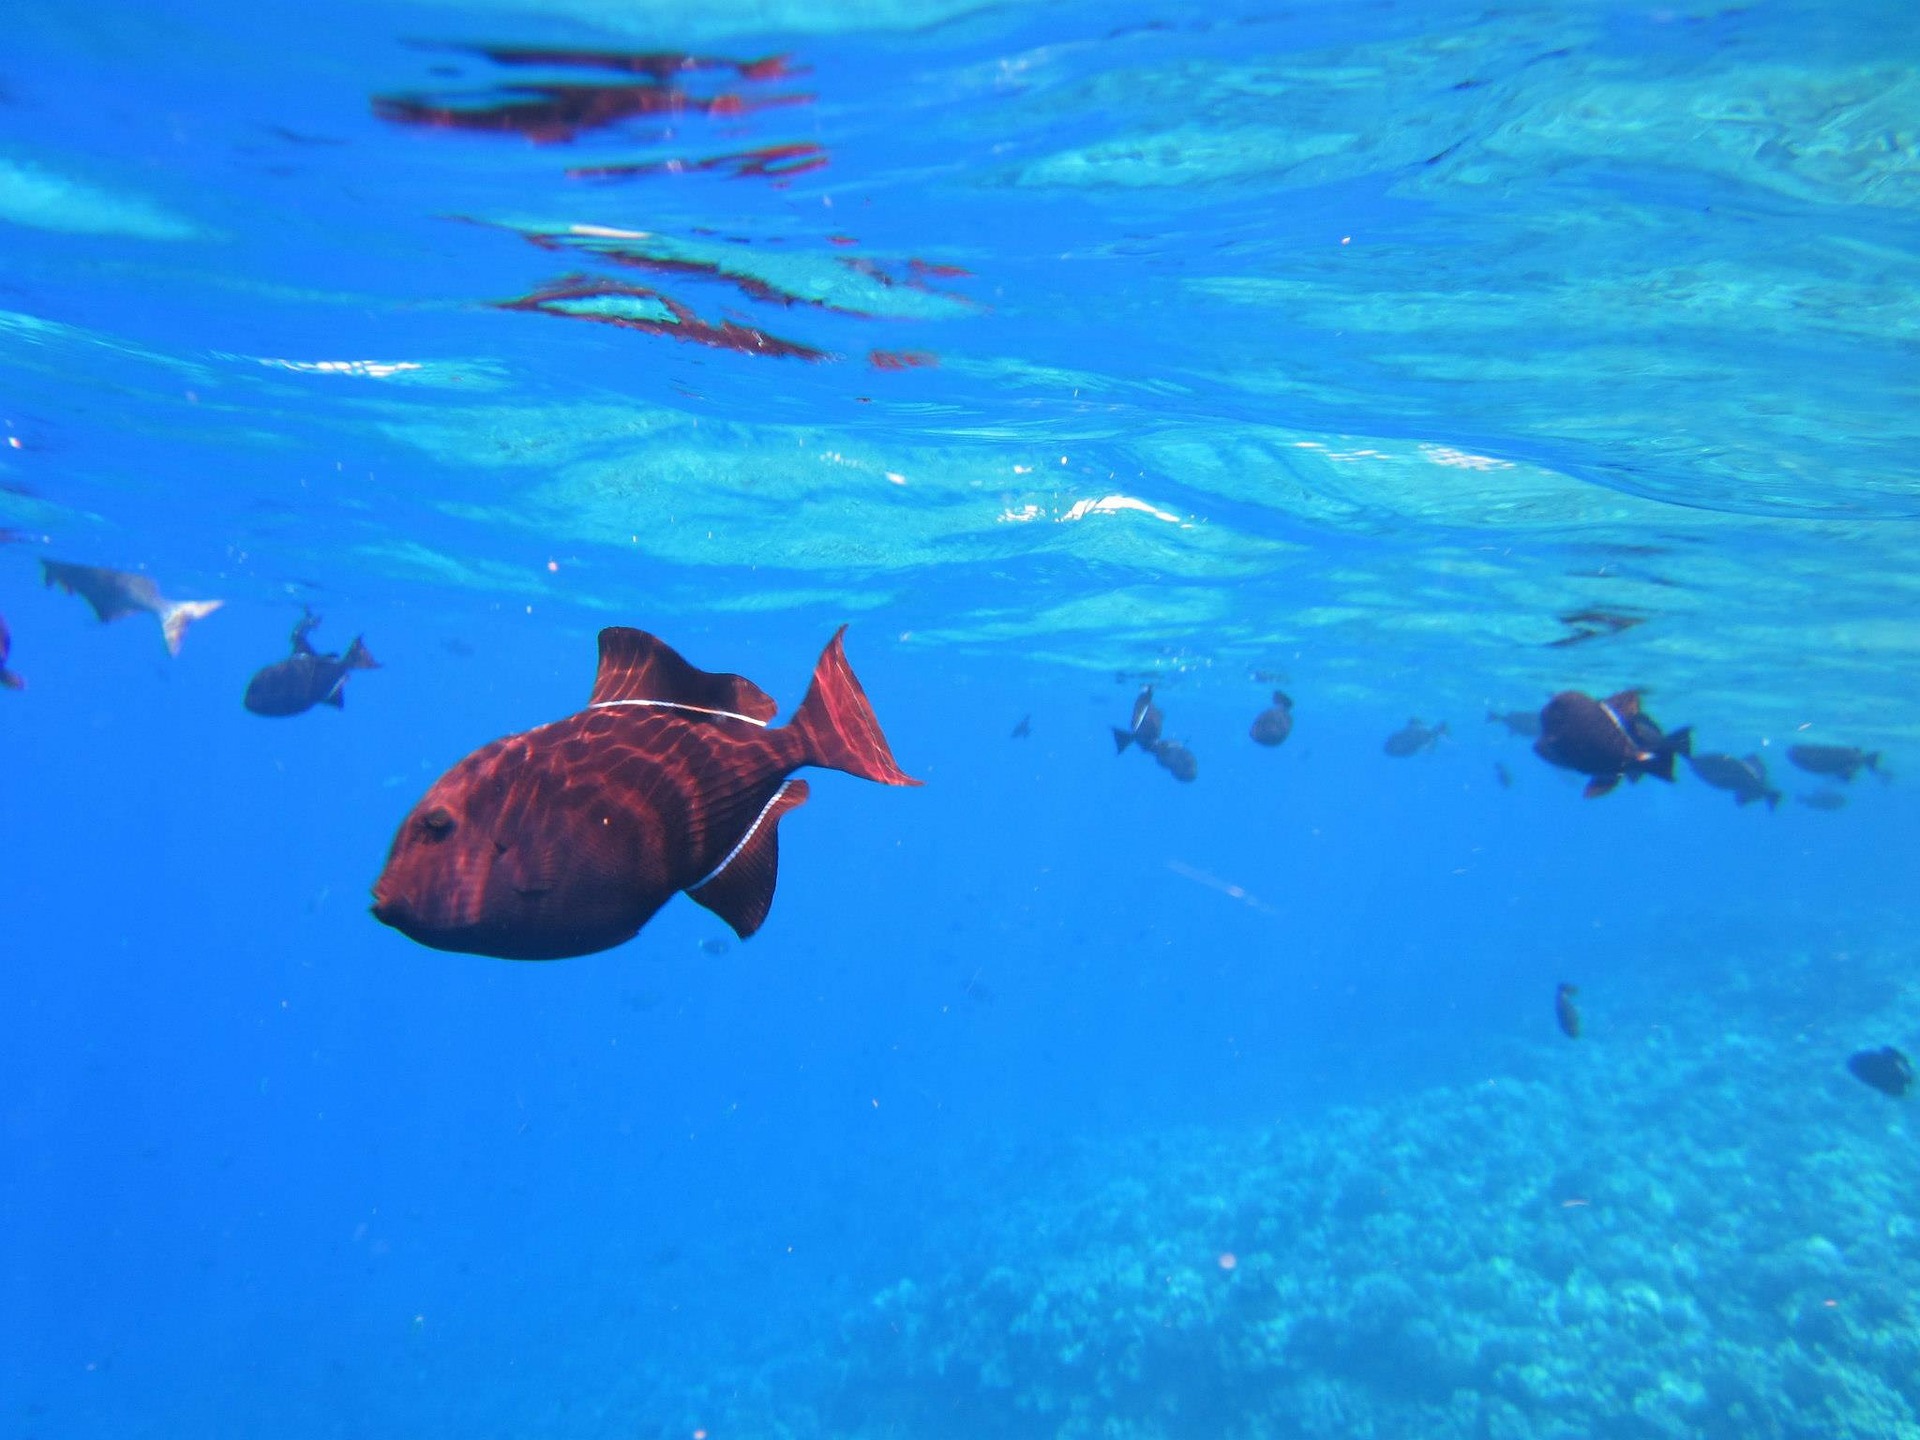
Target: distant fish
1503 775
1885 1069
1177 759
454 645
1591 625
714 945
1145 724
1747 778
305 678
1566 1010
567 838
1524 723
1607 740
8 680
1843 762
1824 799
1023 729
1273 725
114 593
1412 738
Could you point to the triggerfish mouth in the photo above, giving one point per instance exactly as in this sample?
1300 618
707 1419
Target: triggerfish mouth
566 839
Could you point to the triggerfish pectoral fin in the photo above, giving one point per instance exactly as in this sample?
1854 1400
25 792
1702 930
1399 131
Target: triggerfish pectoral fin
837 724
740 889
637 668
176 615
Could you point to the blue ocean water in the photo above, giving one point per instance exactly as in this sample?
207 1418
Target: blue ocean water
1413 359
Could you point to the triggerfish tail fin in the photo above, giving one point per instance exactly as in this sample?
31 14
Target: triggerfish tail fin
358 657
177 615
1678 742
1121 739
836 724
740 889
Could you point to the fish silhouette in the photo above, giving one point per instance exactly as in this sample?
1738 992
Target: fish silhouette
1607 740
306 678
114 593
1885 1069
1176 759
1273 725
1566 1010
1843 762
1412 738
1824 799
1746 778
1524 723
8 680
1144 724
566 839
1023 729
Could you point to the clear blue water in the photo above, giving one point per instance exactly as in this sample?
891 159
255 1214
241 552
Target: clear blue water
1356 350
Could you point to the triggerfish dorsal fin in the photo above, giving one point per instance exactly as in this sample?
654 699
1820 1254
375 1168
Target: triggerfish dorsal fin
1626 704
740 889
635 667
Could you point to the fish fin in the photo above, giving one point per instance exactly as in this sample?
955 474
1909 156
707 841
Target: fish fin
1280 697
1600 786
1773 799
1121 739
740 891
637 666
837 726
358 657
1626 704
337 697
176 615
10 681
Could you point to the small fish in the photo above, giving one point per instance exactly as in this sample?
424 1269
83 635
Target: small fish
566 839
1524 723
8 680
1176 759
1503 775
114 593
1145 725
1592 625
1414 737
1843 762
306 678
1273 725
1566 1010
1824 799
1747 778
454 645
714 945
1885 1069
1607 740
1023 729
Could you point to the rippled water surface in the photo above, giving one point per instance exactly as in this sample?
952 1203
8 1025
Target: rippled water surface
1416 359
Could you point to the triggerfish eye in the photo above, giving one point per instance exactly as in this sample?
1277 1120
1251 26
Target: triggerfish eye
438 822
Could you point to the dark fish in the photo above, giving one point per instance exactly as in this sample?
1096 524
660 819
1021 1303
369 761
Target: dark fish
1412 738
114 593
1177 759
1503 775
1524 723
1591 625
1843 762
1566 1010
1607 740
1885 1069
566 839
1146 722
1824 799
306 678
8 680
1272 726
1023 729
1747 778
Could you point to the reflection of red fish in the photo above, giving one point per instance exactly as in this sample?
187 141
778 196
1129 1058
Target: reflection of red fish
634 307
566 839
769 162
114 593
8 680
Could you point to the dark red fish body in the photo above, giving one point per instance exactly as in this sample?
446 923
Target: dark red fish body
1607 740
8 680
567 839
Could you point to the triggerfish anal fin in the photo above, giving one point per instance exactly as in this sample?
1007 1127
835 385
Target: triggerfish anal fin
740 889
1596 788
636 666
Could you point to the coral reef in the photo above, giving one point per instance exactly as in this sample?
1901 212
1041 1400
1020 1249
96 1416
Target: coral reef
1689 1231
